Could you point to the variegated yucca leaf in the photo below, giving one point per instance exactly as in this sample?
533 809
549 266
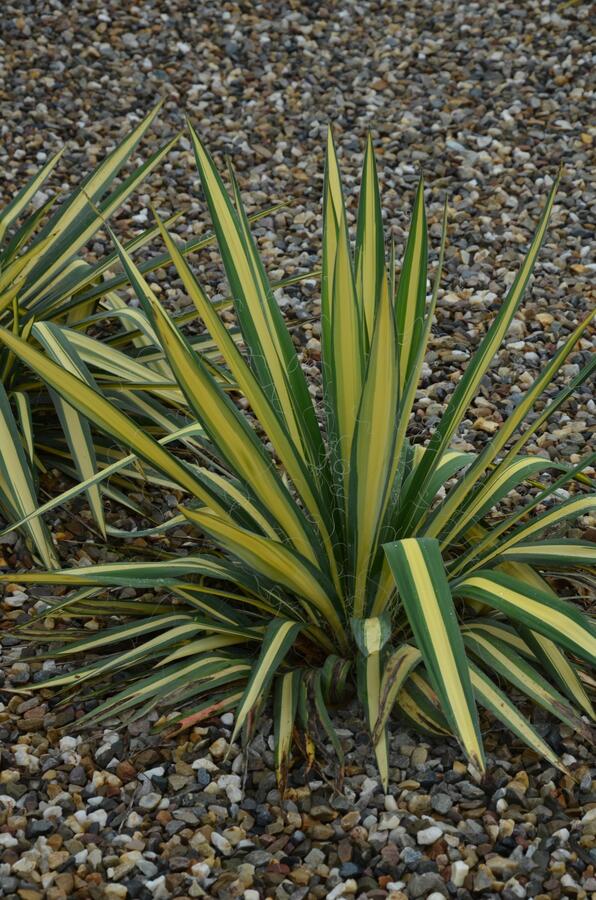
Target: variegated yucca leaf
48 284
371 636
421 580
325 550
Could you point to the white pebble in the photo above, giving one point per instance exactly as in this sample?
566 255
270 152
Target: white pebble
221 843
25 865
200 870
205 763
150 801
459 870
7 840
429 835
158 887
99 815
343 888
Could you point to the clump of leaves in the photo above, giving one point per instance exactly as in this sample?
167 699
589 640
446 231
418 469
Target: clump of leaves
333 557
52 297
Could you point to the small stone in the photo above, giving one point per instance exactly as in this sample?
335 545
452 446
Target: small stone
219 748
459 871
150 801
419 756
203 777
429 836
345 888
221 843
441 803
422 885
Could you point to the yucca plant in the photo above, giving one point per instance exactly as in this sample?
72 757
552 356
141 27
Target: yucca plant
46 286
328 553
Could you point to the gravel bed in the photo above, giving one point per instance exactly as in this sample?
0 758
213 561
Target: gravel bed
486 99
128 814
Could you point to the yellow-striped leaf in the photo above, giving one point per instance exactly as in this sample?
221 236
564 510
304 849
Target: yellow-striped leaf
277 642
469 382
515 669
538 610
287 689
411 291
371 278
16 484
423 588
501 707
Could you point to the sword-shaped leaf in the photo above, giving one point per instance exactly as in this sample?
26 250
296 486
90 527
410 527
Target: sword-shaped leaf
423 588
462 503
272 352
287 689
371 467
565 554
17 490
371 278
26 194
411 291
468 384
396 672
76 429
278 640
536 609
500 706
515 669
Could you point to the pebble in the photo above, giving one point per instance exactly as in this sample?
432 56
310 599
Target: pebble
429 835
150 801
486 101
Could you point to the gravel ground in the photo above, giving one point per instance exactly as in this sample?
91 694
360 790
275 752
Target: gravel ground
486 99
131 816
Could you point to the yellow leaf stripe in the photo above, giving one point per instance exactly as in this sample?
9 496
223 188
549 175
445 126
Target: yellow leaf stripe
553 553
571 508
276 562
16 482
503 709
371 278
411 291
506 478
421 581
108 417
539 610
252 390
278 640
346 365
249 288
372 457
458 494
520 673
286 702
18 204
